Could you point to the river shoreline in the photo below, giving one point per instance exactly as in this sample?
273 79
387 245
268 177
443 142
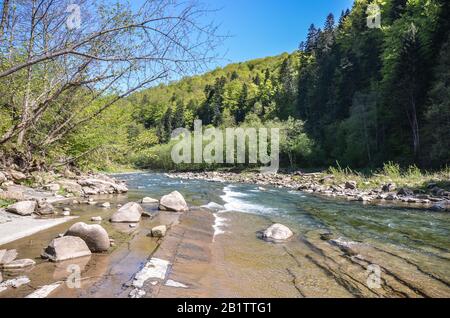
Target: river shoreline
435 199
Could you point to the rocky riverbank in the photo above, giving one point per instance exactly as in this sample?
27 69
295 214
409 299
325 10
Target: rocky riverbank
433 198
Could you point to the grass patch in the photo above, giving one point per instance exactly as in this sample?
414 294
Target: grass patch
4 203
411 177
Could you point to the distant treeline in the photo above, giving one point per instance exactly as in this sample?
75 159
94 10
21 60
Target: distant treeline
363 96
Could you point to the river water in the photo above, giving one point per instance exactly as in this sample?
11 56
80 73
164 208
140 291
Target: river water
377 251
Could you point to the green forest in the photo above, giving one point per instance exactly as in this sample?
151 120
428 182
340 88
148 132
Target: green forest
350 94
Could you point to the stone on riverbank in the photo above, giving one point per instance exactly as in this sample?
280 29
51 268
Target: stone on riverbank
96 219
65 248
52 187
148 200
389 187
19 264
17 175
7 256
2 177
351 185
22 208
277 232
95 236
159 231
106 205
45 208
173 202
129 213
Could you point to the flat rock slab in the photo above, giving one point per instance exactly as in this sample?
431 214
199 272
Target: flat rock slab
44 291
21 227
19 192
19 264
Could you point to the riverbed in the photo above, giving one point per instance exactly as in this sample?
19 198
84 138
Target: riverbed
215 250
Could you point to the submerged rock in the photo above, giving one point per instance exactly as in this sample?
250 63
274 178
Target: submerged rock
129 213
96 219
22 208
65 248
148 200
159 231
173 202
95 236
106 205
277 232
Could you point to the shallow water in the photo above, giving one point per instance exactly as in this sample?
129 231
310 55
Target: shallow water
411 246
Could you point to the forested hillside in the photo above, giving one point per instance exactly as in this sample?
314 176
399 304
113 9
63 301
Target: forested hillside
365 96
351 94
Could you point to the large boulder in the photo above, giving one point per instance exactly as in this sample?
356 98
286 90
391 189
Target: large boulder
22 208
103 184
277 232
173 202
129 213
65 248
95 236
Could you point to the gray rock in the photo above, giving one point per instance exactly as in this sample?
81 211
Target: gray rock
106 205
159 231
95 236
7 256
17 175
391 197
65 248
351 185
278 232
71 186
52 187
405 192
129 213
22 208
90 191
45 208
19 264
2 177
173 202
440 207
389 187
96 219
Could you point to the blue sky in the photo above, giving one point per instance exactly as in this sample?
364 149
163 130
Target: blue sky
260 28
